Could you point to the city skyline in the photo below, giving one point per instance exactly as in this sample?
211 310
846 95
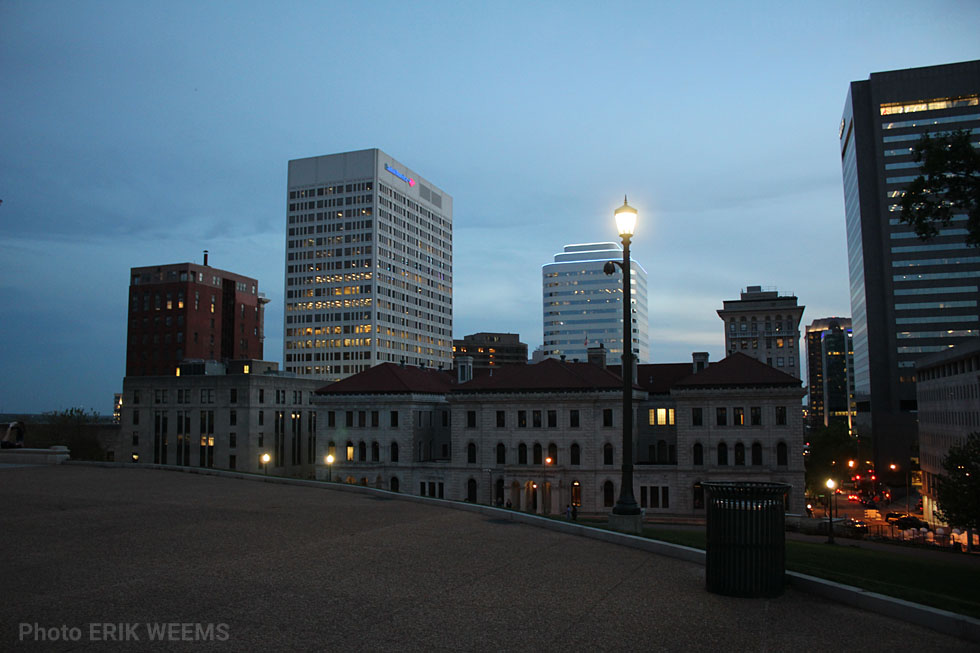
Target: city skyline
138 136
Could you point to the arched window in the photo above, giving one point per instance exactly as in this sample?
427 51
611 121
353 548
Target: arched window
498 494
537 454
722 453
394 452
781 454
375 452
739 453
608 494
362 452
607 454
350 451
522 454
332 449
553 453
471 491
756 453
662 452
394 484
576 454
471 453
698 454
501 454
576 493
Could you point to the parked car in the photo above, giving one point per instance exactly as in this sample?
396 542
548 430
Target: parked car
910 521
893 516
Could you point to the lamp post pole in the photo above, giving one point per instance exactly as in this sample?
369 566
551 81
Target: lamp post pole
626 504
329 460
830 510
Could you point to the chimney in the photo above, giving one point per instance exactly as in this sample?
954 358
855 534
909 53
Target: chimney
700 360
205 257
464 369
597 355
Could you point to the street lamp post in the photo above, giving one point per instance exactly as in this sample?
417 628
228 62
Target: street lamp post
830 511
265 462
329 460
626 513
908 471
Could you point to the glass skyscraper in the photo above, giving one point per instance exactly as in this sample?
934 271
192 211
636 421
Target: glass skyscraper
583 305
908 297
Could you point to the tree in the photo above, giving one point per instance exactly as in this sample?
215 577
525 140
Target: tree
74 428
949 184
958 488
830 448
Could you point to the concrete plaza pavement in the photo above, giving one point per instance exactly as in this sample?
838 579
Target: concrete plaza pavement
308 568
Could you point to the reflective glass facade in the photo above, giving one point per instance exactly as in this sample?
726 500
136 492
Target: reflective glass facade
583 305
908 297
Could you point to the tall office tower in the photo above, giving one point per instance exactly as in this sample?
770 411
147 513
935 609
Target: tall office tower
583 305
829 361
908 297
491 349
188 311
766 326
369 266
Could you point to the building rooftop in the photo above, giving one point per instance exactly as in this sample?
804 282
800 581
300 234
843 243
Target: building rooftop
288 567
737 370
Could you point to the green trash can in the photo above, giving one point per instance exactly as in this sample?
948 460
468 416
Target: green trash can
746 544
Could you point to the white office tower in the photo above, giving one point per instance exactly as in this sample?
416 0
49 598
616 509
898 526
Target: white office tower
369 266
583 305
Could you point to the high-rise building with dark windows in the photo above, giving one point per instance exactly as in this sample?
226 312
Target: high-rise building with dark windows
829 361
908 297
369 268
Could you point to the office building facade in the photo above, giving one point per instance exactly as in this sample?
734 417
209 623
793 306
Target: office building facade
220 415
766 326
908 297
583 305
948 396
830 359
189 311
368 266
491 349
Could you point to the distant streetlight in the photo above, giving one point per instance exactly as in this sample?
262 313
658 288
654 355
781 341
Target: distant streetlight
830 512
329 460
265 462
626 504
908 483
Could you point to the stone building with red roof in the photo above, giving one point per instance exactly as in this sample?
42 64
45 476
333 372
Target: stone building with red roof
542 437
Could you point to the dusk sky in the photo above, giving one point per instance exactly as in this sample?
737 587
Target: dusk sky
137 133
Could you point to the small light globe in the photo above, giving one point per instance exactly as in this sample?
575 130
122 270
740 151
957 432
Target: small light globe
830 484
266 458
330 458
625 219
547 461
893 467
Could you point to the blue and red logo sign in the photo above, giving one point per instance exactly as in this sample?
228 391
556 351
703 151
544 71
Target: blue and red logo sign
400 175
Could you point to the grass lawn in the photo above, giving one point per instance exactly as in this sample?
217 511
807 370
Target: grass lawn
949 585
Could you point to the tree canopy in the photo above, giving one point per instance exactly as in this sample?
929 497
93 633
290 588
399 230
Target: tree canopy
958 487
948 185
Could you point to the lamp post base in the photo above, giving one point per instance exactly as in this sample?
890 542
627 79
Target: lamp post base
626 523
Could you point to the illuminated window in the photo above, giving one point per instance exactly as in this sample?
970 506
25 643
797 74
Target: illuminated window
350 451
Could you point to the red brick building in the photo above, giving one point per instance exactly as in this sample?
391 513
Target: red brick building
188 311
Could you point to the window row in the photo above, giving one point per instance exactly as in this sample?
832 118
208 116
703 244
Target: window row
738 416
755 452
538 419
